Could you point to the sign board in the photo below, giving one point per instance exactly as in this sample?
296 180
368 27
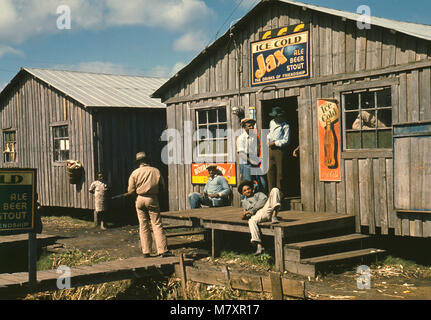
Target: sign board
280 59
283 31
17 199
200 173
329 139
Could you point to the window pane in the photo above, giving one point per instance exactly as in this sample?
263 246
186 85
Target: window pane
352 101
384 98
369 139
222 115
213 131
212 116
351 122
384 139
202 117
384 118
222 130
353 140
367 100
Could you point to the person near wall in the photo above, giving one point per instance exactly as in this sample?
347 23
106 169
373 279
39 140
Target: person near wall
216 192
248 148
258 208
278 140
101 195
367 120
147 184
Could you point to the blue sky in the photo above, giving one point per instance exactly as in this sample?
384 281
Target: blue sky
139 37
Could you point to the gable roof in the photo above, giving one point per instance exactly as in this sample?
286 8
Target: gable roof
99 90
417 30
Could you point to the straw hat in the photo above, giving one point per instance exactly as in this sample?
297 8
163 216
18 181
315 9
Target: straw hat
247 120
245 183
141 156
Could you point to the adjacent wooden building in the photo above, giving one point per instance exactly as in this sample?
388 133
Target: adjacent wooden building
383 68
49 116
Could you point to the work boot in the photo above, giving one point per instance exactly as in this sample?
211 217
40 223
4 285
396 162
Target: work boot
166 254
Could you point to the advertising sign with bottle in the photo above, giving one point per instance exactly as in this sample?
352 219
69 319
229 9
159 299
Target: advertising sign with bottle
200 173
329 139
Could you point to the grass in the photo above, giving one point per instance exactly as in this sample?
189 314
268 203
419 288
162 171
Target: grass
264 260
67 222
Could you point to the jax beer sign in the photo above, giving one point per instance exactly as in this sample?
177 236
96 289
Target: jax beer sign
280 59
17 199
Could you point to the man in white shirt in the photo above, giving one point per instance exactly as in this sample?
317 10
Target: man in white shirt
278 139
248 148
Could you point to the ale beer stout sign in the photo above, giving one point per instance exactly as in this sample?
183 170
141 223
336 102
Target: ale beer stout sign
17 200
329 139
280 59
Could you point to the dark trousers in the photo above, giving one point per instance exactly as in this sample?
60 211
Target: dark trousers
276 171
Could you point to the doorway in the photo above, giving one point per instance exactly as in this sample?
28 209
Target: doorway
292 179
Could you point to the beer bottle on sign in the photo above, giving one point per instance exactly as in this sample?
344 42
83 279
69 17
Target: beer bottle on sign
329 145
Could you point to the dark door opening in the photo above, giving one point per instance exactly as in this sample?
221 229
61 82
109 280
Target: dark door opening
292 179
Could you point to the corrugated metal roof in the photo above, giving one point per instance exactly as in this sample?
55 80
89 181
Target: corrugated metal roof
422 31
103 90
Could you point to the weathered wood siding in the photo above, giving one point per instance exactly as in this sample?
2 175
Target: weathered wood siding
340 54
119 135
31 109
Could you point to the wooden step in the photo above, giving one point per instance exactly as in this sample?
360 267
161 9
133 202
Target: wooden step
309 267
307 249
184 233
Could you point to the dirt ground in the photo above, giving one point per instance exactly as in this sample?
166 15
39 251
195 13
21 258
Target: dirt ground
388 282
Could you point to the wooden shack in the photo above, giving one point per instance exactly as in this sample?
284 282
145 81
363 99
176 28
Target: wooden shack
49 116
383 173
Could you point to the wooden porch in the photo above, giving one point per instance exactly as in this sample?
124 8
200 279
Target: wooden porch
302 240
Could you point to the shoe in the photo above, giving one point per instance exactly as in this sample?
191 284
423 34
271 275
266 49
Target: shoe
259 251
274 219
166 254
146 255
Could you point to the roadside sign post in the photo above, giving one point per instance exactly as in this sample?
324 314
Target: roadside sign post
17 210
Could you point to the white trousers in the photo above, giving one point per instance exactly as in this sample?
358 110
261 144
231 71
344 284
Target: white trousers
264 214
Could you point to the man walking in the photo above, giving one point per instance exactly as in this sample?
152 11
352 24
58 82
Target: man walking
278 140
248 148
147 183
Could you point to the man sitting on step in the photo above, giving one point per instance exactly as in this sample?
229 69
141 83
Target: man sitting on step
258 208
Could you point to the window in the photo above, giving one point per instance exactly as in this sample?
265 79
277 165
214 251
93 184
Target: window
367 119
212 132
9 147
61 143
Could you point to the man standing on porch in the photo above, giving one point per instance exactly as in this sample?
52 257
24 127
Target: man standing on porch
278 139
248 148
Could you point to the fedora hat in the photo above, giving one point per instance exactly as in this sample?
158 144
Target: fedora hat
141 156
247 120
276 111
245 183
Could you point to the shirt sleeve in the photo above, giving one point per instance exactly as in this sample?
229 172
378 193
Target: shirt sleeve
223 182
259 204
240 145
285 139
92 187
132 184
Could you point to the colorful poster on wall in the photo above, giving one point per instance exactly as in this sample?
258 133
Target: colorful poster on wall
200 173
280 59
329 139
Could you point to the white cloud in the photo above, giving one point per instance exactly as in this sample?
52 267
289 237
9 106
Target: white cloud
2 85
4 50
28 18
191 41
165 71
247 4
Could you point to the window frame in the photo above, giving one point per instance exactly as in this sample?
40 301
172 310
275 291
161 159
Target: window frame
201 157
53 127
4 133
393 84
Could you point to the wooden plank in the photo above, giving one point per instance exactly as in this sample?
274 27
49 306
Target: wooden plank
279 248
350 46
415 100
364 168
319 186
276 286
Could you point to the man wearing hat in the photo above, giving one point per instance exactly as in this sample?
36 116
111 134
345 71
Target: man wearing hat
278 140
147 183
258 208
248 148
216 192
